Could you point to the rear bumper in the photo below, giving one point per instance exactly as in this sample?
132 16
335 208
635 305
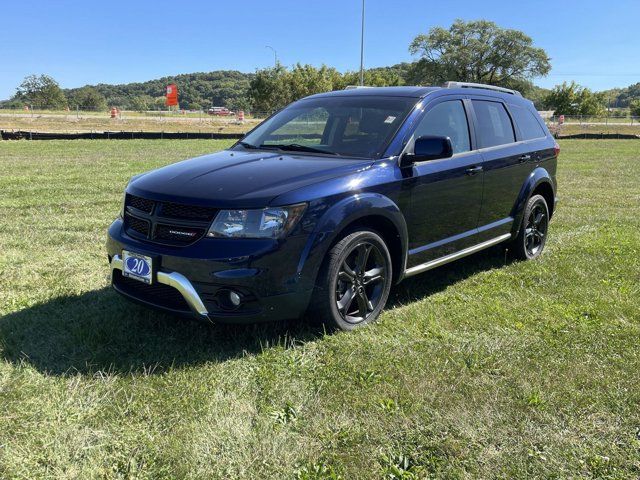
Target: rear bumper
192 281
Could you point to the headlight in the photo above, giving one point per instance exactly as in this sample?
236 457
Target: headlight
273 222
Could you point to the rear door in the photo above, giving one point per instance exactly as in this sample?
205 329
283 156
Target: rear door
446 193
506 165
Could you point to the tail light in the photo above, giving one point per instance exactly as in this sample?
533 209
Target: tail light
556 149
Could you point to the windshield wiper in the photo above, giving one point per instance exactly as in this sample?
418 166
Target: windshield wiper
296 147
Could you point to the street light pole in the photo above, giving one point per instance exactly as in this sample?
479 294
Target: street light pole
362 49
275 55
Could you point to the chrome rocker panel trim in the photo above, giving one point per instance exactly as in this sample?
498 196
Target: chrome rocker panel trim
423 267
177 281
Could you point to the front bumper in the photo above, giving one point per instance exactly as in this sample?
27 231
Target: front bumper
191 280
174 280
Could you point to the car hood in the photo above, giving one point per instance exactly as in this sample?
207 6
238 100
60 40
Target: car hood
240 179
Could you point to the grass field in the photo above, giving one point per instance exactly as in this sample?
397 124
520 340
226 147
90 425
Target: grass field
480 369
129 121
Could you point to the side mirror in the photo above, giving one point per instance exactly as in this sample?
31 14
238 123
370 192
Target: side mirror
427 147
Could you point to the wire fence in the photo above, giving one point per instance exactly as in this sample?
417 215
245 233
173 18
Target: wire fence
36 110
594 126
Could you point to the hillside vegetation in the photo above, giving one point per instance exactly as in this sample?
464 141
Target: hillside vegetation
197 90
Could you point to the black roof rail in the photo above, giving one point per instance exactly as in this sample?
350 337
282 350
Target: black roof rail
481 85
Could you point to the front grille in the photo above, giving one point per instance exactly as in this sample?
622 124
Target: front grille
140 203
156 294
167 223
137 225
177 210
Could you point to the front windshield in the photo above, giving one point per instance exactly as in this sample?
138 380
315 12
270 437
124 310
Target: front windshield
358 126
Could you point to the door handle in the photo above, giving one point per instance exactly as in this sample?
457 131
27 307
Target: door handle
524 158
473 170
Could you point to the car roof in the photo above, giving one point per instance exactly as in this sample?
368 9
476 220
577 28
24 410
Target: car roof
416 92
419 92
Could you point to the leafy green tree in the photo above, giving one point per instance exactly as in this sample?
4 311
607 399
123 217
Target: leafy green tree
634 108
623 97
141 103
477 51
41 91
304 80
267 89
88 98
572 99
159 103
376 77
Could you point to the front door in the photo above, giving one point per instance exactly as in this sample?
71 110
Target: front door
446 195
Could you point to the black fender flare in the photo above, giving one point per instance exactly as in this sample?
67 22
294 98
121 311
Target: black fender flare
338 217
537 177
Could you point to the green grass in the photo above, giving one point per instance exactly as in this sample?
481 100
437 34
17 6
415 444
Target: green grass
480 369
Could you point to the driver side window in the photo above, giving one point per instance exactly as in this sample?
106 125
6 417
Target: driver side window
447 119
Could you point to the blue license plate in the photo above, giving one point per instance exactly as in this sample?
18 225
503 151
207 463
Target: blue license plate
136 266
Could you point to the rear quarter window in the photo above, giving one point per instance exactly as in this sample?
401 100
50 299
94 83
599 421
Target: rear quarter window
527 123
493 124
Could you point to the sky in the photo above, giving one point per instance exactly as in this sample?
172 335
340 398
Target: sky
78 43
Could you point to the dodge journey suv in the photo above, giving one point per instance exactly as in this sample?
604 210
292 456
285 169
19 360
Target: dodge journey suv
325 205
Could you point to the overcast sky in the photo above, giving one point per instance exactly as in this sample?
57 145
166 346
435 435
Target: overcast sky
78 43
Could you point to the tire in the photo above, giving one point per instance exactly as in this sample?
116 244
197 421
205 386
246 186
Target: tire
534 230
349 294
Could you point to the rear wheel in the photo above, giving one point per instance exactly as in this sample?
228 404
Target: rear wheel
533 232
353 284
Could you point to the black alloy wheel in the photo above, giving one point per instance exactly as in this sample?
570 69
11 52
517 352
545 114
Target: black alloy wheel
533 231
360 283
536 228
354 282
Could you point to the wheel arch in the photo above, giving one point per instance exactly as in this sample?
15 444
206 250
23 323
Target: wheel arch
371 210
538 182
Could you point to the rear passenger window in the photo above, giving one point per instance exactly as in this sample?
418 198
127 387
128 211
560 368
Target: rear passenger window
447 119
527 123
494 125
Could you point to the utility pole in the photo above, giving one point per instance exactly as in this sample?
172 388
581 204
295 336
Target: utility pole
275 55
362 49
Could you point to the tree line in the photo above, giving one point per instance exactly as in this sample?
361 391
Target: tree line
473 51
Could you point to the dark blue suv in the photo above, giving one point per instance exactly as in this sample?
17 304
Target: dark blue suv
329 202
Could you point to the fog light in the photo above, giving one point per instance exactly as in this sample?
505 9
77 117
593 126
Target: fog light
228 299
234 298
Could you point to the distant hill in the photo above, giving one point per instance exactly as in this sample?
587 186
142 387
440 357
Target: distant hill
226 88
622 97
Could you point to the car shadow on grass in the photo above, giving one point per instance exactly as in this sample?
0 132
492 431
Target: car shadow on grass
99 331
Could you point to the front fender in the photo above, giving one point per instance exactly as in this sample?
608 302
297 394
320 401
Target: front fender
337 218
538 176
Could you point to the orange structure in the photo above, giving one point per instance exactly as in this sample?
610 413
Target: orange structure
172 95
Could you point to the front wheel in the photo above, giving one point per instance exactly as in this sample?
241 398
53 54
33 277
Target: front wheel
354 282
534 229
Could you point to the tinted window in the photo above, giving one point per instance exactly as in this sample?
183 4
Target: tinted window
494 125
447 119
526 122
358 125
